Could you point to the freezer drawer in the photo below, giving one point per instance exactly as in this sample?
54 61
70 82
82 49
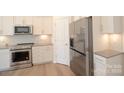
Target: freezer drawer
78 63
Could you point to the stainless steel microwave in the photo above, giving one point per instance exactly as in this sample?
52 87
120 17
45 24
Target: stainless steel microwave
22 30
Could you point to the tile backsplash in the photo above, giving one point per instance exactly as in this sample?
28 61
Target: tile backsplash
116 42
43 39
16 39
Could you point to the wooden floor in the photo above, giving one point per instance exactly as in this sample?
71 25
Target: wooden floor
49 69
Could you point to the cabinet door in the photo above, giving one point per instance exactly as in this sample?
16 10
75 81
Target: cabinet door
1 31
47 25
8 25
48 53
5 57
100 66
107 24
42 54
99 69
23 20
115 66
111 24
28 20
118 24
37 25
36 55
18 20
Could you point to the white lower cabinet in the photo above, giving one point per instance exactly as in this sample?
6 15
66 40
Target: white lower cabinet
108 66
42 54
4 59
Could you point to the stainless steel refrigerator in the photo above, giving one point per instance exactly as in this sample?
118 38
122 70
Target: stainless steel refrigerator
81 46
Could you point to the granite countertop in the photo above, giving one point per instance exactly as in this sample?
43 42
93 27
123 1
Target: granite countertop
5 47
42 44
108 53
10 46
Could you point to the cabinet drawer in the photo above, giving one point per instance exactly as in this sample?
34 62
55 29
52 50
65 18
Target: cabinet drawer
99 59
99 69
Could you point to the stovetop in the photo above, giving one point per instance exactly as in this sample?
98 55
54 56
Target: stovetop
22 46
25 44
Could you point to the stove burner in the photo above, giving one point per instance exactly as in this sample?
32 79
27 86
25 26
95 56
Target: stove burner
25 44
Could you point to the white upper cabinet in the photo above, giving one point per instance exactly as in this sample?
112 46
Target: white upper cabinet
111 24
1 25
47 25
7 25
23 20
42 25
37 25
28 20
18 20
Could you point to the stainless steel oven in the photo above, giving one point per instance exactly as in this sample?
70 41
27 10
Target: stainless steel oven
20 56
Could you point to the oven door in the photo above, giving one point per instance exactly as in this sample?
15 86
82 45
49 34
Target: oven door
20 57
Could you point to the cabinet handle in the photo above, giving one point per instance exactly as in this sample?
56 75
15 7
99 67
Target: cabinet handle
66 44
99 59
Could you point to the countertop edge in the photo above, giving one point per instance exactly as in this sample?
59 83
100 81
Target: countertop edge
35 45
102 53
109 56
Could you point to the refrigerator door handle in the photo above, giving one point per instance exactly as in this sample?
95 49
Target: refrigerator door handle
66 44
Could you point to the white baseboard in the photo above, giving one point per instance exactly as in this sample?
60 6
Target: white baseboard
5 68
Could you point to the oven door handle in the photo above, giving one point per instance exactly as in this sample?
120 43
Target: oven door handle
25 49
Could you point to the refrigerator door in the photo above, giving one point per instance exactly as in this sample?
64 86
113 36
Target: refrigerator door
80 35
81 57
90 48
